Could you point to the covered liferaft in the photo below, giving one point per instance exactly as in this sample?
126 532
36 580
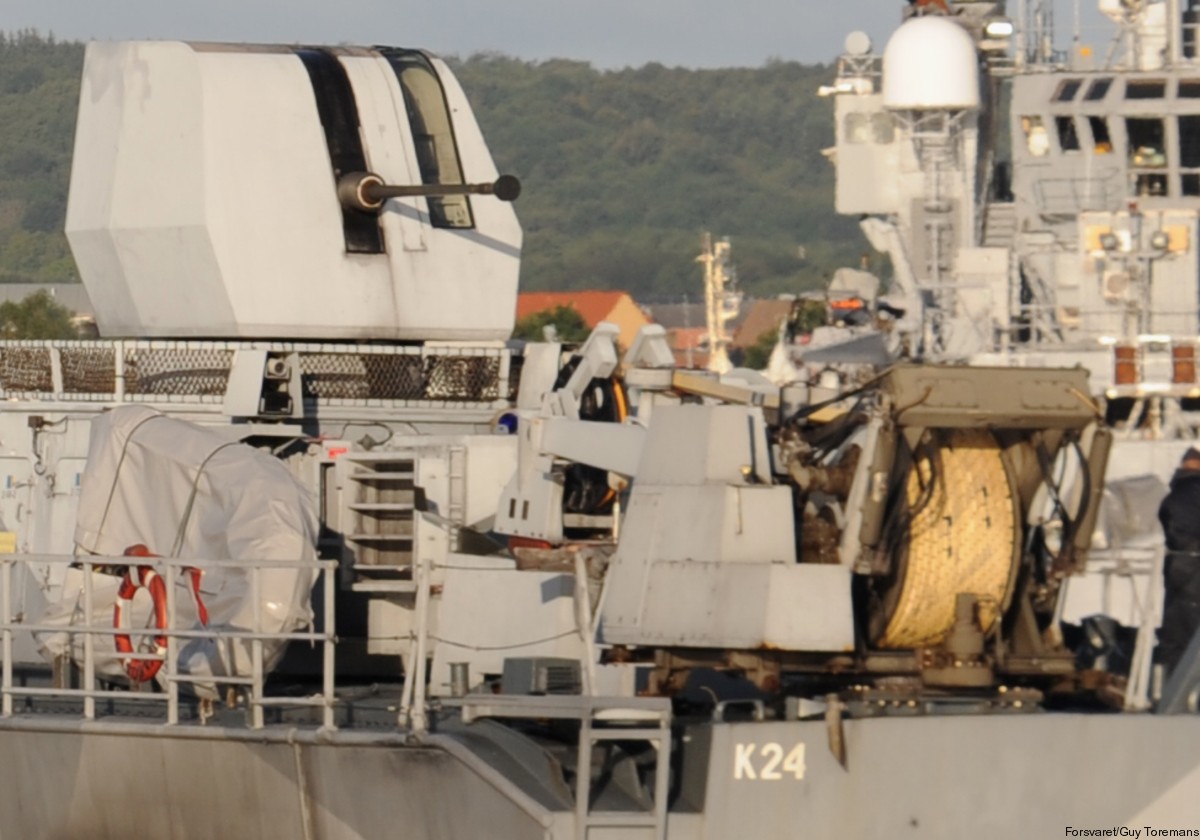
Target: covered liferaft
247 529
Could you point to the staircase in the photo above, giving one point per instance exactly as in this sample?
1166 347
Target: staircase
380 533
1000 225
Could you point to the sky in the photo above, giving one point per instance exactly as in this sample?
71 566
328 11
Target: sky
607 33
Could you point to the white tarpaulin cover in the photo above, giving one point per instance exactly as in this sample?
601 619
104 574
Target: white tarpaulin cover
186 492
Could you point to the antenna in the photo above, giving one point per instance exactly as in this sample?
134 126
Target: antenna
720 299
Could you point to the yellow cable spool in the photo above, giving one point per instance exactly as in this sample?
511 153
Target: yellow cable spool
964 540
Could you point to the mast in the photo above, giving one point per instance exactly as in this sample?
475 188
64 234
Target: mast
720 299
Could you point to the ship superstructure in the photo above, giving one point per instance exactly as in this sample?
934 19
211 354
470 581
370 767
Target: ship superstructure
1035 201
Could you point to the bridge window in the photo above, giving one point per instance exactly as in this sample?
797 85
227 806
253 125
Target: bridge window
1145 89
1067 90
1098 90
1146 148
1036 138
1189 152
1068 137
1189 141
1189 88
1150 185
1101 141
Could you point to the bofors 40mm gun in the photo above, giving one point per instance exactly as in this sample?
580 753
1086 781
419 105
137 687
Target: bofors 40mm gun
902 540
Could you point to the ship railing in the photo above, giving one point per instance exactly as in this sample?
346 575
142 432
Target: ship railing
1070 196
253 684
860 66
1144 564
1096 328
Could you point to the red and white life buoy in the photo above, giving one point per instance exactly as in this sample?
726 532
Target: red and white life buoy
144 670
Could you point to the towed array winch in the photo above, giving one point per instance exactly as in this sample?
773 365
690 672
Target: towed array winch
917 525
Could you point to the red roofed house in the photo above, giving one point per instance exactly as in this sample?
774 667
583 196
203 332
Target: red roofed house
593 306
764 316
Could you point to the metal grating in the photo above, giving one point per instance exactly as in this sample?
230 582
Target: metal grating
88 370
464 378
149 371
359 376
182 371
25 369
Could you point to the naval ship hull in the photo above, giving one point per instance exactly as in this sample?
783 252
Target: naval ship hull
989 776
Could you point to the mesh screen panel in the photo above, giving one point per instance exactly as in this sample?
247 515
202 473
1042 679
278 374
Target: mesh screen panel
201 370
88 370
177 371
357 376
25 369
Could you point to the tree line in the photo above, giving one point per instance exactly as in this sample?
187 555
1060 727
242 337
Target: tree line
622 170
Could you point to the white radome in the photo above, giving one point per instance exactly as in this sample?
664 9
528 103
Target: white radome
931 64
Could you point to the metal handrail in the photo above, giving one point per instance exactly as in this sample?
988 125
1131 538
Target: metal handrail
1049 313
1138 561
168 568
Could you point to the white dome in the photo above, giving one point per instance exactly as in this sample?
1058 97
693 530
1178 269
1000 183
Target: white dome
930 64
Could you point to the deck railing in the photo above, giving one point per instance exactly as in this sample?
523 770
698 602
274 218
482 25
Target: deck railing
171 570
1142 567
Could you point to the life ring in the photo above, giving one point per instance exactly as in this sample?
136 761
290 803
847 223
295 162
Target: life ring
144 670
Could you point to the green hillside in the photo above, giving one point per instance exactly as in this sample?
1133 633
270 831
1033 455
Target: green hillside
39 85
622 170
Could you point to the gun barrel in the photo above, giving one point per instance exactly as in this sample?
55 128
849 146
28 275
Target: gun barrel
367 191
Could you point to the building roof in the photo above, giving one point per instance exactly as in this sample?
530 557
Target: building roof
593 306
689 345
763 316
682 338
71 295
690 314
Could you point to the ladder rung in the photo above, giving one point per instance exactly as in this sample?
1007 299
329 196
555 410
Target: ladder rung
612 819
383 586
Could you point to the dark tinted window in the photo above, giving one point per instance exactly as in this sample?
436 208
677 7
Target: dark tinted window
1098 90
1067 90
1189 141
1145 137
1145 89
1189 88
1068 137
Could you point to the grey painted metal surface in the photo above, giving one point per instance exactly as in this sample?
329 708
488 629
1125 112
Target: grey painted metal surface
102 785
997 776
250 228
994 776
